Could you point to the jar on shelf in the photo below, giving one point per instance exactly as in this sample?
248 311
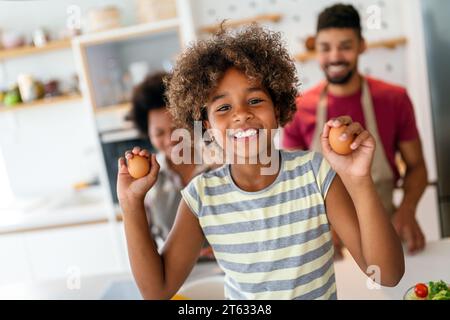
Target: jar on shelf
155 10
104 18
26 86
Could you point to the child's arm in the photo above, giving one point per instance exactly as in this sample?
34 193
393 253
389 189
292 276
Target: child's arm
157 276
356 211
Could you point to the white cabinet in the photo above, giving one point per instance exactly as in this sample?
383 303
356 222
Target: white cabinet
14 263
123 246
84 250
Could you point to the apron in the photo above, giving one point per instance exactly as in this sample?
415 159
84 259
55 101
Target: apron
381 171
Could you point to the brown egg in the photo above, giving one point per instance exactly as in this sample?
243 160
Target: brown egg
310 43
138 166
338 146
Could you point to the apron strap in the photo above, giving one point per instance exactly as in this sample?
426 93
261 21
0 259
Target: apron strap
381 171
321 118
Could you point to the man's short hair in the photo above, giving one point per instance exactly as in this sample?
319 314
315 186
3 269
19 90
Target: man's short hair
340 16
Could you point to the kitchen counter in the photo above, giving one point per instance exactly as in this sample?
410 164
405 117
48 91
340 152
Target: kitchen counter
431 264
65 209
118 286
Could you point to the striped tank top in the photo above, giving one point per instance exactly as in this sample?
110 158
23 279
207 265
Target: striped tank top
274 243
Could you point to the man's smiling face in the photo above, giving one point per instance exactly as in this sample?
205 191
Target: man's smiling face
338 50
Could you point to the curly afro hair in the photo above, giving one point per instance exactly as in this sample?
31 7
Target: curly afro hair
147 96
257 52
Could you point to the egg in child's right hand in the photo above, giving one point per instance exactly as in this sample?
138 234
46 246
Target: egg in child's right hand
138 166
339 146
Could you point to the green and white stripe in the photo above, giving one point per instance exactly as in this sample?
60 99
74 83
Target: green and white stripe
274 243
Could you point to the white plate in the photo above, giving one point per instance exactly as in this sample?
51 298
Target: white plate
209 288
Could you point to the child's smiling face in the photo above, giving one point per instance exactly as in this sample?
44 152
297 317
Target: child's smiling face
242 112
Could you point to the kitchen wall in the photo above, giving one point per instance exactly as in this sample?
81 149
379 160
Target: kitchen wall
298 22
299 18
48 149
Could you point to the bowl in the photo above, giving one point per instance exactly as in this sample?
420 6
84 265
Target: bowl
410 295
208 288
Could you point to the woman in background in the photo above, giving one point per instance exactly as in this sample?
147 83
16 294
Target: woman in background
152 118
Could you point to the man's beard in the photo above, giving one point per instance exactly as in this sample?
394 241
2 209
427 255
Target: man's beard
341 80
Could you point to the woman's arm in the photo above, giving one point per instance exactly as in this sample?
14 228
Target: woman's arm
157 276
355 209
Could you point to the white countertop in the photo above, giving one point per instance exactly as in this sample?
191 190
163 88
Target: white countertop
431 264
107 286
66 208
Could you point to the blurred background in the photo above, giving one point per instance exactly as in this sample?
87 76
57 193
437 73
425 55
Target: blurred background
67 69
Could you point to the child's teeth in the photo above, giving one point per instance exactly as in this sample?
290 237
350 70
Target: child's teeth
244 134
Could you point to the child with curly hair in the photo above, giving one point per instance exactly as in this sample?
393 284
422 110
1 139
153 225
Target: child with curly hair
270 232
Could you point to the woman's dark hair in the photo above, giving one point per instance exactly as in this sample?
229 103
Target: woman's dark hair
147 96
257 52
340 16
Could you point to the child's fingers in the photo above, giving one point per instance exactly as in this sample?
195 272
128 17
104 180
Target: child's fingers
154 168
326 130
352 130
122 165
339 121
144 153
128 155
326 148
336 123
330 123
136 150
363 136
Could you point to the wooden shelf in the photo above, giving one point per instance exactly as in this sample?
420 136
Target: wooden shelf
118 107
236 23
30 50
128 32
42 103
388 44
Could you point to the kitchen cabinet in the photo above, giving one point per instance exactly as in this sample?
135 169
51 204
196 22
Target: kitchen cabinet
15 265
110 64
120 232
60 253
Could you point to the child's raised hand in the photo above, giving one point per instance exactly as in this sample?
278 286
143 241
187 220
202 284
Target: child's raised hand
129 188
358 162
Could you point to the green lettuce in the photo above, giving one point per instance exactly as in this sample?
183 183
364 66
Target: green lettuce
438 290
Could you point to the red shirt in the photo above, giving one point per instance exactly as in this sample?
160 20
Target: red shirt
393 111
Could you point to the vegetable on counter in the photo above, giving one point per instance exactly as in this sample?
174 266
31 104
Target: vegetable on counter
435 290
421 290
438 291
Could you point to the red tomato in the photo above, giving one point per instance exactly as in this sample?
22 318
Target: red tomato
421 290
